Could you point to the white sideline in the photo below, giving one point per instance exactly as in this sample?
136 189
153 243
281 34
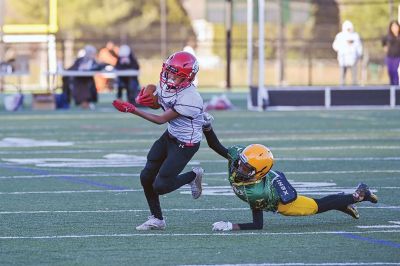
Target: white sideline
166 210
232 234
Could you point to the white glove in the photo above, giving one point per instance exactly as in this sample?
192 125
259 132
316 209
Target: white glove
222 226
208 119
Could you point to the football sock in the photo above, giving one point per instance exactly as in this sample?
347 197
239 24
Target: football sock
334 202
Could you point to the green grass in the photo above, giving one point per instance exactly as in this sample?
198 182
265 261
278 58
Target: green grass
53 212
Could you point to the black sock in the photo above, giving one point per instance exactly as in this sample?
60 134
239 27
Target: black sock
334 202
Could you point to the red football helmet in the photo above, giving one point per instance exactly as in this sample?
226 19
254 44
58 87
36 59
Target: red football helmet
179 71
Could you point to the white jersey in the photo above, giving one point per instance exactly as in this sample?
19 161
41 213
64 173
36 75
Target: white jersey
187 127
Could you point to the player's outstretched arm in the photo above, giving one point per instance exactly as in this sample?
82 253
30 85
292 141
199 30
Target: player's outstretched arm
257 223
214 143
127 107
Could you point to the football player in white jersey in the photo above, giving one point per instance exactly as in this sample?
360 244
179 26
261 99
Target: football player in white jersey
183 111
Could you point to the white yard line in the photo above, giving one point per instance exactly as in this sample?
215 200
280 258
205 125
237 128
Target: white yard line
377 226
294 137
166 210
219 234
123 211
292 148
302 188
70 191
206 174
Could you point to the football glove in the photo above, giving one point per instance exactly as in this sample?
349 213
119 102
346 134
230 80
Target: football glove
222 226
124 107
208 119
144 99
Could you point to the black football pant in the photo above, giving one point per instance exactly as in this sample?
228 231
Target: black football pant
165 160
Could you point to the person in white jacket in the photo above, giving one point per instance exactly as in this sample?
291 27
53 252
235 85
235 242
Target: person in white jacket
349 50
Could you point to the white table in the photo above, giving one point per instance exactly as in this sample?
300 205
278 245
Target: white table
90 73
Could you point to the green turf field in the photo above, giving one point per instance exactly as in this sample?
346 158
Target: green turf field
70 192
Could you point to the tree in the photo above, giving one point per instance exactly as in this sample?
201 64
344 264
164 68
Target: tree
105 18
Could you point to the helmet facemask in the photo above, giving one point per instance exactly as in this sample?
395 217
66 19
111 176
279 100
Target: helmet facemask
244 172
173 79
253 164
178 71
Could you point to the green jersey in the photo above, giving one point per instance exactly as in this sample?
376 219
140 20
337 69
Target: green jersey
260 195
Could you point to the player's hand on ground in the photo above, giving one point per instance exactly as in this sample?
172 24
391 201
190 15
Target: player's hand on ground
124 107
222 226
144 99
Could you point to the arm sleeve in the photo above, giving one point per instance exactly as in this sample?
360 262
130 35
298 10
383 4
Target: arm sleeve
258 221
213 143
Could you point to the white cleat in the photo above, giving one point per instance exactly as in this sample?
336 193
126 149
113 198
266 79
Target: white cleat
152 223
195 185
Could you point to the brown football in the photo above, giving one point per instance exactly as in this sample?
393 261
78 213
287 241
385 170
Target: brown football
149 90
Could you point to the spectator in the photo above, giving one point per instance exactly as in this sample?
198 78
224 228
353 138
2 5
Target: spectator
8 65
83 88
127 60
67 81
348 46
391 45
107 56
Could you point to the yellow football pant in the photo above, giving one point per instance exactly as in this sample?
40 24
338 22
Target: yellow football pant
302 206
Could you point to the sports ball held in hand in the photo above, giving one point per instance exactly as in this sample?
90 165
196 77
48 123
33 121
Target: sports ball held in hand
149 90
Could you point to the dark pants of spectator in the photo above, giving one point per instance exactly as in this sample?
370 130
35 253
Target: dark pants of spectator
84 90
165 160
343 70
132 88
392 64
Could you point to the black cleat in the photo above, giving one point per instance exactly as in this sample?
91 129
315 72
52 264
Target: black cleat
363 193
352 211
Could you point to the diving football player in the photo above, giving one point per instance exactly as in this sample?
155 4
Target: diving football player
253 181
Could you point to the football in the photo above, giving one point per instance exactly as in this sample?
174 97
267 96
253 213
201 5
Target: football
150 90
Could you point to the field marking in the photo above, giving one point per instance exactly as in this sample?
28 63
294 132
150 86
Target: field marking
30 143
166 210
123 211
397 225
123 160
71 191
305 188
247 139
217 234
206 174
144 150
300 264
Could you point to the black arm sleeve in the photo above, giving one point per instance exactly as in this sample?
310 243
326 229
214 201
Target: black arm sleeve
213 143
257 224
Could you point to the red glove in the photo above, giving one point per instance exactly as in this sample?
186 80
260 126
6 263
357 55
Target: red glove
124 107
144 99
